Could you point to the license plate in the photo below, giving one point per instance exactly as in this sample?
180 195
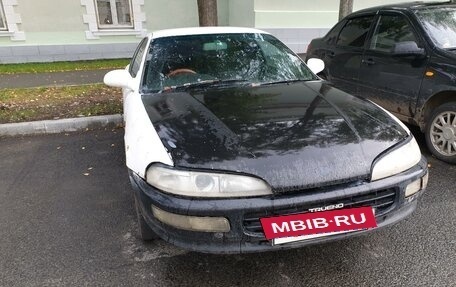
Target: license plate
304 226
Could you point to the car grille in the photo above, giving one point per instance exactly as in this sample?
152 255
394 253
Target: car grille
381 200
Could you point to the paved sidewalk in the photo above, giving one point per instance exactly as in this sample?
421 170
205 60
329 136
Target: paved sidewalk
29 80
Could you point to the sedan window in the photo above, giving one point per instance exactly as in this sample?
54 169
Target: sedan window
332 35
137 58
391 29
440 24
237 59
354 34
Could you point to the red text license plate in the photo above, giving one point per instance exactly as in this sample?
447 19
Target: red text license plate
297 227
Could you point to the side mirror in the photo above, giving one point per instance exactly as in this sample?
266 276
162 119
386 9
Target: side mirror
316 65
119 79
407 48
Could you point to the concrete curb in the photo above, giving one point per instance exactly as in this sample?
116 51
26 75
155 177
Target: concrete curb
59 126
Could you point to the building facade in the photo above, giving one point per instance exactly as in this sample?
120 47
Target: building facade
67 30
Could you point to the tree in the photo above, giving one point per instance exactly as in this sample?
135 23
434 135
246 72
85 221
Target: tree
345 8
207 12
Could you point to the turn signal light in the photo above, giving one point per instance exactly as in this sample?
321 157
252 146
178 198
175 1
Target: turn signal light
416 185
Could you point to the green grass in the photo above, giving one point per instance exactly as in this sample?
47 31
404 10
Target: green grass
32 104
62 66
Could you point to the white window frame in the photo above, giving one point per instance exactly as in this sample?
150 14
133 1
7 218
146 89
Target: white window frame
3 26
11 20
115 23
95 30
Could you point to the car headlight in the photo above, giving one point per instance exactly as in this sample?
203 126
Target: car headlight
396 161
205 184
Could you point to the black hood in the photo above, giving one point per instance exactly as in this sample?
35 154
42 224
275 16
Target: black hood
294 136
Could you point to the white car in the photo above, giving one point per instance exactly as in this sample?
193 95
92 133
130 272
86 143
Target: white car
233 144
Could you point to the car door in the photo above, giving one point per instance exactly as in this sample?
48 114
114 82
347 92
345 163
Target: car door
390 80
343 59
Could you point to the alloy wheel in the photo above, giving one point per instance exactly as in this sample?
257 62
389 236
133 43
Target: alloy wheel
443 133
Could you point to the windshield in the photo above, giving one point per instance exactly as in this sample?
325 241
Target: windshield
440 24
220 58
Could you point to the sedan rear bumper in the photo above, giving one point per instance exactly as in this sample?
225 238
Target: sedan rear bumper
245 235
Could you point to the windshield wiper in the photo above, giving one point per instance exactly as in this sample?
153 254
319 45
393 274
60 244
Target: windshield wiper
280 82
206 83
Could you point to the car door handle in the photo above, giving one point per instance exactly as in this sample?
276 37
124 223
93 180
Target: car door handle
368 62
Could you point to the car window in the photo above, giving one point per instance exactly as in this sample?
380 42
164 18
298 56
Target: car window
355 32
189 59
391 29
440 24
137 57
331 37
279 61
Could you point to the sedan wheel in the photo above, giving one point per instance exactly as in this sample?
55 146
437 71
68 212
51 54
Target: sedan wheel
441 132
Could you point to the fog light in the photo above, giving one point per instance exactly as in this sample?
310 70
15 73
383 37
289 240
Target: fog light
413 188
192 223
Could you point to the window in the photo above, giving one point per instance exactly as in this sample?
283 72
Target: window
390 30
114 13
440 24
137 58
114 18
2 18
355 32
253 58
10 20
331 37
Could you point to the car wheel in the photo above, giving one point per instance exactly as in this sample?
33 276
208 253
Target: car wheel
441 132
145 232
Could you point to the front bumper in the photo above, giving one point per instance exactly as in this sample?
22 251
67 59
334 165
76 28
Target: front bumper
243 214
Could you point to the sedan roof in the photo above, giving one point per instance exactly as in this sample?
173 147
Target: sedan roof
203 31
403 6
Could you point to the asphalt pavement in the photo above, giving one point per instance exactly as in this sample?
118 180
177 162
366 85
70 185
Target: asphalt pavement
67 219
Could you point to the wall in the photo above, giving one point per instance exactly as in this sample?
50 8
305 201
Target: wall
166 14
308 14
56 30
38 20
297 22
241 13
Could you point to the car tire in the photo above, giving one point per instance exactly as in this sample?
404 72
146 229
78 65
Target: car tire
441 132
145 232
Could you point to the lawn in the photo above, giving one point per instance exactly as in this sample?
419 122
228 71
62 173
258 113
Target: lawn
19 105
62 66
